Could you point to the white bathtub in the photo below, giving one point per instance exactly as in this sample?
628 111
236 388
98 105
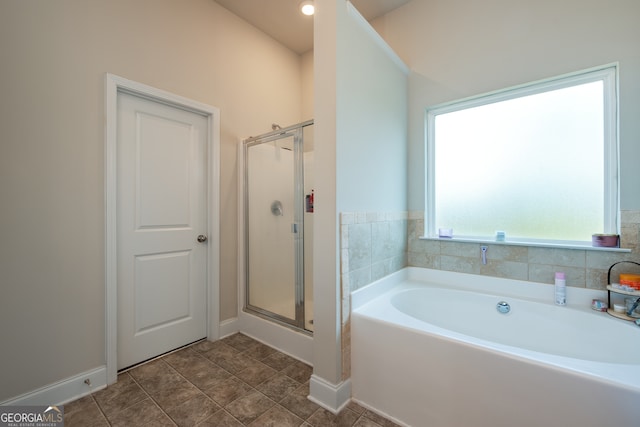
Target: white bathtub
428 349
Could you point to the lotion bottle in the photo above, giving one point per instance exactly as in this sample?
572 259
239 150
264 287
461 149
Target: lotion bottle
561 289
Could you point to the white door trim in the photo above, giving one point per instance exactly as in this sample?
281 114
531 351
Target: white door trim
113 85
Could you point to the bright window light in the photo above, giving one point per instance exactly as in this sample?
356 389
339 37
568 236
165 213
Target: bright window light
538 162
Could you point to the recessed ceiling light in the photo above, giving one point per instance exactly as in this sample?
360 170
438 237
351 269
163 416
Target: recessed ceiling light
307 7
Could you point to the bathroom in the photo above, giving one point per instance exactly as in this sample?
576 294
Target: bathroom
370 167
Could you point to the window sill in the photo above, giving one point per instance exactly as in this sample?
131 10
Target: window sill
512 242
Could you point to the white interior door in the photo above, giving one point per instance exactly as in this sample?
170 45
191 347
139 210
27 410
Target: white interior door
161 215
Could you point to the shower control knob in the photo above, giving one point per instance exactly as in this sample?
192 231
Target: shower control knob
202 238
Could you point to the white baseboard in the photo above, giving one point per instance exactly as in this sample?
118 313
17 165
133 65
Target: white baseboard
64 391
296 344
379 412
332 397
74 387
229 327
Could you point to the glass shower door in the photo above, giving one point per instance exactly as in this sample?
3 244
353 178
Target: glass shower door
275 227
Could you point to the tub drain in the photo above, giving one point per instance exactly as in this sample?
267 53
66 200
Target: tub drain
503 307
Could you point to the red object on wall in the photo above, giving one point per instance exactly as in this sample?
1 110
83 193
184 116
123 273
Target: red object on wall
309 202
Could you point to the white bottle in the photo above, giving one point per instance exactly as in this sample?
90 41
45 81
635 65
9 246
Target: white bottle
561 289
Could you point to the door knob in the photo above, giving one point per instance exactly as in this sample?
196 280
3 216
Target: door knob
202 238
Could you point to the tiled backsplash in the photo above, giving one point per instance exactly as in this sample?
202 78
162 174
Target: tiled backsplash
583 267
375 244
372 245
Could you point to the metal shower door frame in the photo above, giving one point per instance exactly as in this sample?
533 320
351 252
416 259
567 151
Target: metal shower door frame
297 227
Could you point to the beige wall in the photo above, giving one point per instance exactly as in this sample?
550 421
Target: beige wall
54 56
307 85
460 48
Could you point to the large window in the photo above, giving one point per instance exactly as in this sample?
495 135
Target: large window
538 162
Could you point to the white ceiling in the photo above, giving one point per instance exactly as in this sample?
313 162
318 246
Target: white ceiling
282 20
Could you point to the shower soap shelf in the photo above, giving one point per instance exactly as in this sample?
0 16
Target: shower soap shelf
610 289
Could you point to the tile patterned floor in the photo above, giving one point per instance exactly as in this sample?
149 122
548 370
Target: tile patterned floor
233 382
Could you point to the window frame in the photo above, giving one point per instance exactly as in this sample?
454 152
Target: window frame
609 75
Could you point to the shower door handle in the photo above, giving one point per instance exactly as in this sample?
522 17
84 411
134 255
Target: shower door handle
202 238
294 227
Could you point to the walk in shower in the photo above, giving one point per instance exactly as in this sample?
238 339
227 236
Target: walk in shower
278 225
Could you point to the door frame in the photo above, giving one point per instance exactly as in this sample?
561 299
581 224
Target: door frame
114 85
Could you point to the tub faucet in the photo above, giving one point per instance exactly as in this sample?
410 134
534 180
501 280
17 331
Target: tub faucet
633 307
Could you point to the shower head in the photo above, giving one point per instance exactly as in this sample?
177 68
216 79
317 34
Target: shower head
275 126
